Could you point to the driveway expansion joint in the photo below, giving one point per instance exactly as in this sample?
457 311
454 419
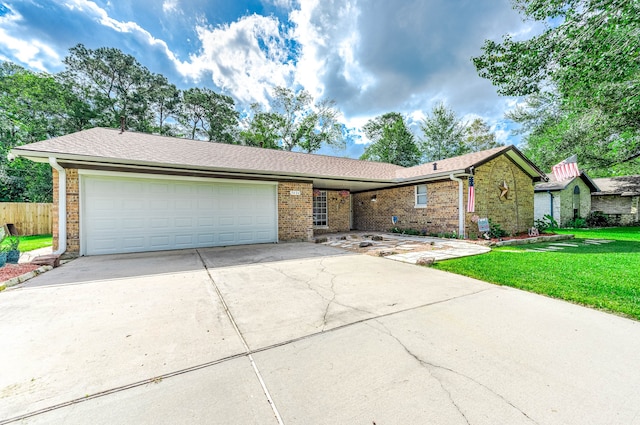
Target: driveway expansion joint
244 343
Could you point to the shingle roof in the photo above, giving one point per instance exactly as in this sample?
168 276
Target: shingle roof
457 163
553 184
623 185
112 146
132 147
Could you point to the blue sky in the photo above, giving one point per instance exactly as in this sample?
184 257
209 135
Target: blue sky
371 57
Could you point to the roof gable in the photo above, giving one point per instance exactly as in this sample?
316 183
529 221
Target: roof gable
553 185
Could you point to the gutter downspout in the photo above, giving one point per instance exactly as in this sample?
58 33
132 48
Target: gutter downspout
550 203
62 206
460 205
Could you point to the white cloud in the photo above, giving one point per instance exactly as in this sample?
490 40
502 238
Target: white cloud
170 7
329 38
101 16
28 51
284 4
246 58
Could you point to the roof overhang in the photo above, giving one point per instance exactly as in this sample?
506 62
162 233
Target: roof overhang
354 184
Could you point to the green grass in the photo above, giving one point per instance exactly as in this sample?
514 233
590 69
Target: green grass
29 243
603 276
616 233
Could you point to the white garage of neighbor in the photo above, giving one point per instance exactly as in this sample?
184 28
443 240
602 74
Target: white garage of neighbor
125 212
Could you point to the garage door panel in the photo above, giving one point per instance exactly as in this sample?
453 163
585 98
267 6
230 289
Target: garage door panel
160 242
159 223
122 214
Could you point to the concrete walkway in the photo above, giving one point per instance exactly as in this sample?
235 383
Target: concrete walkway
26 257
303 333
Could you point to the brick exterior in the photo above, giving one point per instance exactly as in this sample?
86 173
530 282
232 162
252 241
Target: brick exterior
567 201
338 214
563 202
73 212
295 212
513 213
440 214
621 209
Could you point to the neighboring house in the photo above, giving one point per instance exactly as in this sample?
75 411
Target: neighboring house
129 192
618 198
564 200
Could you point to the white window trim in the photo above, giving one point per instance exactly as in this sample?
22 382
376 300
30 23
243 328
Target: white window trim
326 205
425 194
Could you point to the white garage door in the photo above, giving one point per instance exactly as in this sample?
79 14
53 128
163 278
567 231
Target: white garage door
133 214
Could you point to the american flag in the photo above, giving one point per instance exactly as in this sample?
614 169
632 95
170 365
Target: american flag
566 169
471 199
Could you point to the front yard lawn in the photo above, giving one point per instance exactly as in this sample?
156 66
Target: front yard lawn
605 276
29 243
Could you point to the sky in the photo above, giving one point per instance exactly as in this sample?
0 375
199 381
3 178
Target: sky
369 56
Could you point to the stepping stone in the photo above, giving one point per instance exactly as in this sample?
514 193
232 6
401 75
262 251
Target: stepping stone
592 243
597 241
47 260
554 248
565 244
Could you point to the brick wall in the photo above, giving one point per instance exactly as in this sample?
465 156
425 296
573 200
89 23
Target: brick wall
622 209
440 214
295 212
514 213
338 212
73 212
567 201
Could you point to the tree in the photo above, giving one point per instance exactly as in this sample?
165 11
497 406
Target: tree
443 134
33 107
294 121
209 115
262 129
116 83
164 100
392 142
589 57
478 136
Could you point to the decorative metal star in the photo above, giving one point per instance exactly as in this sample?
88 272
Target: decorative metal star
504 189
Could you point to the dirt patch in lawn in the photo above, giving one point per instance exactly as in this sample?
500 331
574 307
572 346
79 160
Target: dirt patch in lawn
10 271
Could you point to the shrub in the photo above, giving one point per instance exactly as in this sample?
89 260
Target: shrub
495 231
597 219
412 232
576 223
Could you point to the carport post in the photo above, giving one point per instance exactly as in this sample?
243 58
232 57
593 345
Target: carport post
460 205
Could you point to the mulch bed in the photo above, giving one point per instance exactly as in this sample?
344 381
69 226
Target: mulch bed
10 271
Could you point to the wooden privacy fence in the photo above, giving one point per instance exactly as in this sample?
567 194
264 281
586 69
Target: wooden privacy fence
29 218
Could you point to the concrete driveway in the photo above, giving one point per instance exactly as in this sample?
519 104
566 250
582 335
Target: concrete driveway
303 334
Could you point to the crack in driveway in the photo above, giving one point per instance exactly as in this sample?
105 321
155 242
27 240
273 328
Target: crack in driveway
430 366
309 284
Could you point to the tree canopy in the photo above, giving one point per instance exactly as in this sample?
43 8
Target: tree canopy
445 135
294 121
586 66
391 141
101 86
